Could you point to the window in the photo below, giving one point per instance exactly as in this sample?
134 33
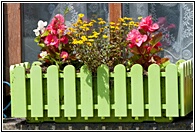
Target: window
23 18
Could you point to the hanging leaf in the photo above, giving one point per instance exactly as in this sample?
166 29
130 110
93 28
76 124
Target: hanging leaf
37 39
46 33
157 38
42 45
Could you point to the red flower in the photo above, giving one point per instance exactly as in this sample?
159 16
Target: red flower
52 40
64 40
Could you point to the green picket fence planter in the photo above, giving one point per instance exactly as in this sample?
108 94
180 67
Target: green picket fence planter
117 96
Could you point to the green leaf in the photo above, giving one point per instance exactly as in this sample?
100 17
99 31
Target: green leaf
45 33
164 64
60 46
134 50
37 39
66 11
41 45
157 38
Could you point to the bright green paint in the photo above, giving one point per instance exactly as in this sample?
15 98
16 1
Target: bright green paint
172 109
181 87
18 92
69 91
86 92
154 92
36 92
53 91
57 85
137 90
120 92
103 91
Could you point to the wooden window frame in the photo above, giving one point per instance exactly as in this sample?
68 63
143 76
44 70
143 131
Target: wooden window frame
13 32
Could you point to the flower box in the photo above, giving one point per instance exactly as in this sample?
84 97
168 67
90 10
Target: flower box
117 96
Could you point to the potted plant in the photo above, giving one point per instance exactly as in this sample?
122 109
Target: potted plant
111 73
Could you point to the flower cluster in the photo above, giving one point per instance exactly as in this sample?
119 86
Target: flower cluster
144 43
98 42
53 41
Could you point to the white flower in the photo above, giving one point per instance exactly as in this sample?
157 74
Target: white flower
41 27
43 54
37 33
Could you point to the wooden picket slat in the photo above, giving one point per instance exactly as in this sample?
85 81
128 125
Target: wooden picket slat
70 91
137 93
53 91
171 88
86 92
36 91
18 92
154 91
120 91
103 91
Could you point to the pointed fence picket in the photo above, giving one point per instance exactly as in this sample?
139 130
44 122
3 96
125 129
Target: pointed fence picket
81 97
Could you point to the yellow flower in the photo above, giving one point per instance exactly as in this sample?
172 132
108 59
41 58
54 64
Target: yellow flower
129 18
139 18
91 40
117 28
112 27
80 42
100 19
124 24
95 36
84 38
105 36
81 15
85 25
121 20
75 41
89 43
131 23
82 27
90 36
101 29
136 25
112 23
72 29
95 33
90 24
102 22
93 21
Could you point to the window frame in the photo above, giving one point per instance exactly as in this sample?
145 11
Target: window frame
13 38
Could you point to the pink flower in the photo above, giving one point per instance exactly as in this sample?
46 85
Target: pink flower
64 55
161 20
51 40
154 27
146 24
171 26
64 40
136 38
59 17
57 25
